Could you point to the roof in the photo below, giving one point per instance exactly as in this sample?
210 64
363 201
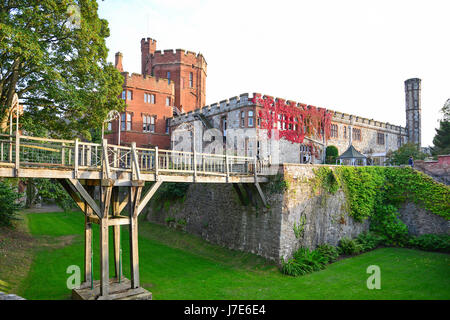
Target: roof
352 153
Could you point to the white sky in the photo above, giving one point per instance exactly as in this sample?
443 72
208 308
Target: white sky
348 56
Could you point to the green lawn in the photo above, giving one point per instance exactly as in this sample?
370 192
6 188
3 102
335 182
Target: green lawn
176 265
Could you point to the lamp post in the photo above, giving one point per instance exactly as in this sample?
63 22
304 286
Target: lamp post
112 115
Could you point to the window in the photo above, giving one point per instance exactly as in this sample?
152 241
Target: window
191 80
380 138
125 121
109 126
250 118
167 101
356 134
128 121
168 76
284 122
242 119
334 131
148 123
399 141
149 98
345 132
129 95
124 94
167 126
279 122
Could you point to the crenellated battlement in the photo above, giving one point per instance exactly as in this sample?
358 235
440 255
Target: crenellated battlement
145 81
246 100
179 55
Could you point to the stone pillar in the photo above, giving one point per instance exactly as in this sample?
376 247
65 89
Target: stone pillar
413 110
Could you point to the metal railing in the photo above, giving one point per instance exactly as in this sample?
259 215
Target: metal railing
78 155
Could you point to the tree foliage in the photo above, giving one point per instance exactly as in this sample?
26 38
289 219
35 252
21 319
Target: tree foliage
331 154
57 68
402 154
9 204
441 140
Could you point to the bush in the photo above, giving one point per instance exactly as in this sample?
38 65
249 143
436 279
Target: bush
8 204
369 240
331 153
386 223
328 251
349 246
432 242
304 261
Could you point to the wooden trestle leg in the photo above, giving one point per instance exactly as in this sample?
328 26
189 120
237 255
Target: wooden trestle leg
116 233
135 196
88 277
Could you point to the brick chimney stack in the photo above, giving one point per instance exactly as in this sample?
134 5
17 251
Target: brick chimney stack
118 65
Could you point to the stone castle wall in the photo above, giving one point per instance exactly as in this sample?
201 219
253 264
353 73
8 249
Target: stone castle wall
394 136
215 213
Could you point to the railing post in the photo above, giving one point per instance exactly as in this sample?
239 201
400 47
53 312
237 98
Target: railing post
195 163
17 153
226 166
63 162
105 163
77 147
156 163
256 174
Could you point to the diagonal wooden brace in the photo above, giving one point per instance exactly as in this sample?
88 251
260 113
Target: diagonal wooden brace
148 196
85 195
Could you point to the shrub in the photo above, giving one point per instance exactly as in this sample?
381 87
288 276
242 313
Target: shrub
329 252
432 242
304 261
386 223
8 204
331 153
349 246
369 240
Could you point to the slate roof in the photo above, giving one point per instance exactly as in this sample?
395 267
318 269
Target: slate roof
352 153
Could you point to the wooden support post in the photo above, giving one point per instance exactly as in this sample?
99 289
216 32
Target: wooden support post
135 170
104 241
135 195
116 232
156 163
104 258
227 169
77 146
106 171
17 154
88 276
63 158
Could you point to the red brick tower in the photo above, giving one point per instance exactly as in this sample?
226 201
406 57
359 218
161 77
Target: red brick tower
186 69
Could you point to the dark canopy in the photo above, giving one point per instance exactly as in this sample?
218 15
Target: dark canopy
352 153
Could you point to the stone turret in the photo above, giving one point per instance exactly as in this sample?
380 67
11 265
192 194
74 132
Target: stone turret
413 110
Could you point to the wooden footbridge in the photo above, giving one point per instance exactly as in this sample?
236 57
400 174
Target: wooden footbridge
80 167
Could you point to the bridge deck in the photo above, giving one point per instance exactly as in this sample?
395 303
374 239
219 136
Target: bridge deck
72 159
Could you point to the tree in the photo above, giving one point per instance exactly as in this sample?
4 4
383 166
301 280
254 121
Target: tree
53 55
441 140
8 203
402 154
331 153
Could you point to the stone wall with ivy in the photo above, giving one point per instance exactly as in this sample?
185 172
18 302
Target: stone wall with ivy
308 205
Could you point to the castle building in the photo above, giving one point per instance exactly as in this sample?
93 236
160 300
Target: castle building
170 83
292 132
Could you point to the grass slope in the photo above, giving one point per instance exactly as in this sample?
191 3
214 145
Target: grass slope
176 265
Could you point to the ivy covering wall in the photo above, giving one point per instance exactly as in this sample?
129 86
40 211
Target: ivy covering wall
368 188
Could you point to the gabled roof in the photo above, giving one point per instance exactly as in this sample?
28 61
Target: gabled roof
352 153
